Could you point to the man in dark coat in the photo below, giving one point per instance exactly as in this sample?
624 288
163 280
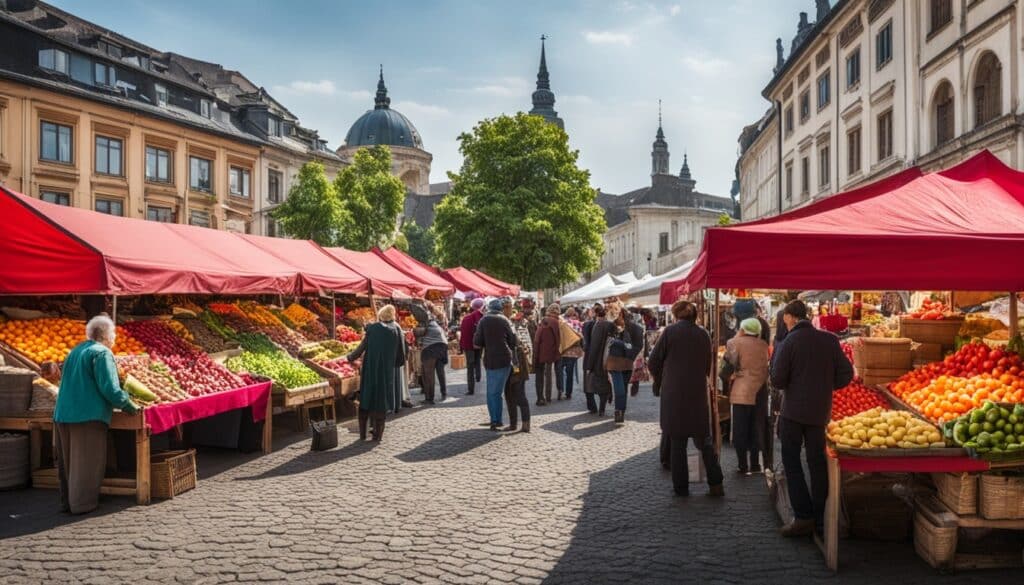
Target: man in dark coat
681 363
495 337
597 312
593 363
808 367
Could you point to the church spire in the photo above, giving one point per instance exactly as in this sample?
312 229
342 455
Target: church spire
659 152
684 174
543 97
382 101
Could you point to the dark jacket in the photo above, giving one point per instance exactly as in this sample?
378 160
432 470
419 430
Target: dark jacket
780 328
766 331
809 366
494 335
382 345
636 334
467 329
680 364
594 360
588 328
546 342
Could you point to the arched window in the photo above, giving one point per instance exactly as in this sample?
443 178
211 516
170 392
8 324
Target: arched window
945 126
987 90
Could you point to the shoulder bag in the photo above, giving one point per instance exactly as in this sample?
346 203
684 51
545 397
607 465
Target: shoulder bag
325 433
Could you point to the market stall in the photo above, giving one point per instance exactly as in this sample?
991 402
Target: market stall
955 230
419 271
467 282
511 290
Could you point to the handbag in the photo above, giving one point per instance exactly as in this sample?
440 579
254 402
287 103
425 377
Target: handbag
640 371
567 337
600 384
616 355
325 433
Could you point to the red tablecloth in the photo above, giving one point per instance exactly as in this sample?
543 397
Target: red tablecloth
167 416
938 464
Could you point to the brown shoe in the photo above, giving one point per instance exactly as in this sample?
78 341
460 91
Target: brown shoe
716 491
526 427
798 527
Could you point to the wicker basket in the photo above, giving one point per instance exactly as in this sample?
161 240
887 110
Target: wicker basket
882 352
942 331
935 544
1001 497
927 352
14 464
172 473
958 492
457 361
15 390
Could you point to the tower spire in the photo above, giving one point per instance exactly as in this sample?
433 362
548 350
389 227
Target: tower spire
543 97
659 151
661 133
382 101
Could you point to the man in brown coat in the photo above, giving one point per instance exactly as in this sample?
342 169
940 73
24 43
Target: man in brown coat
547 356
681 363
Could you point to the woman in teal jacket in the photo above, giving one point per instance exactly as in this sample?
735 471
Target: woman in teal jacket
382 346
89 393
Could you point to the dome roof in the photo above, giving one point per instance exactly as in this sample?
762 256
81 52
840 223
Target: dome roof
382 125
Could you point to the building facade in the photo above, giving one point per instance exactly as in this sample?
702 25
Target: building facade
92 119
875 86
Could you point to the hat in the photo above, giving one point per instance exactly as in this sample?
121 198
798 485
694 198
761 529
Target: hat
476 304
495 305
554 309
751 327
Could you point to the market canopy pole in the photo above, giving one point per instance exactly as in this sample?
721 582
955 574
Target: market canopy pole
1013 315
717 428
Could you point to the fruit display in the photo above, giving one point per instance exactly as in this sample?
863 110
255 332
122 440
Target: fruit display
873 319
327 350
194 371
300 315
153 374
52 338
847 350
972 359
931 310
202 335
408 323
347 334
991 428
361 315
884 429
322 311
182 331
855 399
287 338
259 314
314 331
214 323
231 316
262 357
342 366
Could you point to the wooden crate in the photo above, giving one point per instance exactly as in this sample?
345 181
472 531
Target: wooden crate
958 492
942 332
877 376
457 361
304 394
349 386
927 352
1001 497
882 352
172 473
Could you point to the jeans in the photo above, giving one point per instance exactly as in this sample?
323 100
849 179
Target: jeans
794 436
546 374
472 368
515 396
496 379
746 435
676 447
566 372
620 383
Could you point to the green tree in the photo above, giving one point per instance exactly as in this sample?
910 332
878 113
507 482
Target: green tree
372 198
312 210
520 208
420 242
724 219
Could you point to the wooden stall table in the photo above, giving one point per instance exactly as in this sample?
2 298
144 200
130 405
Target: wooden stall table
306 397
908 461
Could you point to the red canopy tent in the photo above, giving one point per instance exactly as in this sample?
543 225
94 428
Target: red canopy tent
53 249
466 280
384 278
959 229
318 270
406 264
510 289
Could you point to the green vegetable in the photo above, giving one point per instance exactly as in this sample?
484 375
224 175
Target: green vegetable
978 416
984 439
277 366
974 429
139 390
960 433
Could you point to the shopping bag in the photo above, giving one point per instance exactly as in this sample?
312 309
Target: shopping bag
325 433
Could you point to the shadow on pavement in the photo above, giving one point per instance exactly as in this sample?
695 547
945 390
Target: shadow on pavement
29 511
311 460
449 445
571 426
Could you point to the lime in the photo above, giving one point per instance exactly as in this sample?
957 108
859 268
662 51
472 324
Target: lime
974 429
988 427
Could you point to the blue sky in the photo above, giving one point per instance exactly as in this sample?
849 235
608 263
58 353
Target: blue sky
450 63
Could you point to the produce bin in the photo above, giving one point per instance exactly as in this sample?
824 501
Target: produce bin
172 473
958 492
935 544
941 331
882 352
1001 497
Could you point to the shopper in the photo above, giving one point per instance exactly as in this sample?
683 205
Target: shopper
381 349
747 356
621 353
588 328
599 378
467 329
546 356
635 329
681 363
515 390
570 355
495 337
433 342
807 367
89 393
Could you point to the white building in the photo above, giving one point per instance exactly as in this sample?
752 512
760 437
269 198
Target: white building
875 86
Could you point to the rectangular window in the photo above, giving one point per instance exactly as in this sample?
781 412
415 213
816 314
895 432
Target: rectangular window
199 218
853 69
161 94
204 108
54 60
273 126
109 48
238 180
55 142
662 242
161 214
883 46
805 175
199 176
789 119
110 206
941 14
824 89
274 186
271 228
108 156
158 164
885 135
824 166
104 74
789 181
853 151
805 106
56 197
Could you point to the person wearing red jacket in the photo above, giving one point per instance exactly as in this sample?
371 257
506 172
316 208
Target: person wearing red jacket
467 329
547 356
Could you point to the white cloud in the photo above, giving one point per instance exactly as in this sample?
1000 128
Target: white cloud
322 87
708 66
416 110
607 37
674 10
357 94
499 87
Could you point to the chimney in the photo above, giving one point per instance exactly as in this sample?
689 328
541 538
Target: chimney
803 24
822 8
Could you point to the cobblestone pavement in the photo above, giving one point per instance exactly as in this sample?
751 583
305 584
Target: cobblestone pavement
442 499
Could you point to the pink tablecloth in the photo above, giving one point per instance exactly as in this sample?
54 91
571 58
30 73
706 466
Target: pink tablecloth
167 416
938 464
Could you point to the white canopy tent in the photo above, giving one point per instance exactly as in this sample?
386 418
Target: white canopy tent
604 286
647 291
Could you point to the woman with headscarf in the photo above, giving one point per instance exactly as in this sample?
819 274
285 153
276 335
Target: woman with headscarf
382 346
434 344
746 356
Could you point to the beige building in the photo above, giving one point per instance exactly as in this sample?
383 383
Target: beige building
875 86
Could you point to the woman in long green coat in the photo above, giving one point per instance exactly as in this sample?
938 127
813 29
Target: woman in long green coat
382 351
